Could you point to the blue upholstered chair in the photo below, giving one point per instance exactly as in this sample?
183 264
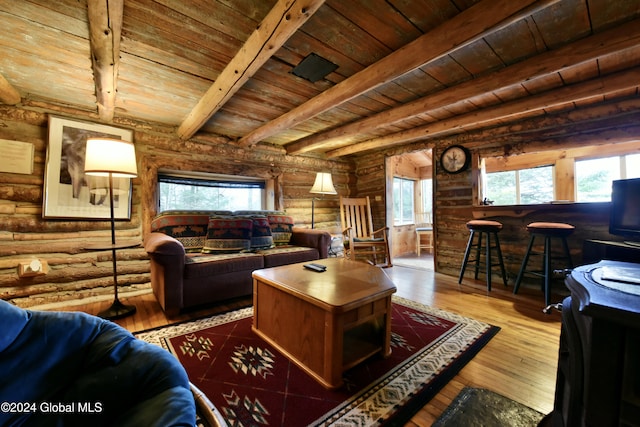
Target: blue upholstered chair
75 369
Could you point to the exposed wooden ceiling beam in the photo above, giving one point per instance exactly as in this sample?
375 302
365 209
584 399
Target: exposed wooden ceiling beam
105 30
511 110
606 43
281 23
472 24
8 94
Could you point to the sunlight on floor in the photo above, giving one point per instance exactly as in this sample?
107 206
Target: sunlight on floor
422 262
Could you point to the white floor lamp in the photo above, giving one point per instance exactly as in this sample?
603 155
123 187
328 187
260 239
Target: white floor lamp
112 158
322 185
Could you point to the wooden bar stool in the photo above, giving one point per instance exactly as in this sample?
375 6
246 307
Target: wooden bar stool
488 229
548 231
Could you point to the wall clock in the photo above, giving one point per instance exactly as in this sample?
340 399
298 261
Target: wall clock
455 159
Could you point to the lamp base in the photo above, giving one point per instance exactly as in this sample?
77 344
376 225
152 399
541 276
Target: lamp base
117 310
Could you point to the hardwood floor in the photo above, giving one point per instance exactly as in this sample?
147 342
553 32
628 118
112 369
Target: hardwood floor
519 362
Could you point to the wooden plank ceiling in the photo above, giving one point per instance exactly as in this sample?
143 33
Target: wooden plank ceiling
407 70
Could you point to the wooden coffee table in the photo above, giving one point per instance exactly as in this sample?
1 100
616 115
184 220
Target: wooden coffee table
324 322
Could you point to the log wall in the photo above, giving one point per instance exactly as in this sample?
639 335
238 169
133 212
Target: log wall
456 197
79 275
590 219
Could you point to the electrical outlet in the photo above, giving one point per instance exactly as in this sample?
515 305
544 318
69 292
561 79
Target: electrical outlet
35 267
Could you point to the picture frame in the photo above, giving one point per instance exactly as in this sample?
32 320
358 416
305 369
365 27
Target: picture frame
68 191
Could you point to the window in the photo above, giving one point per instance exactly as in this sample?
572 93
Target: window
535 185
580 174
594 176
402 201
500 188
426 185
524 186
211 192
632 166
424 202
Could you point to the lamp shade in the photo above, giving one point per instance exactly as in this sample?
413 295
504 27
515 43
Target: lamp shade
106 156
323 184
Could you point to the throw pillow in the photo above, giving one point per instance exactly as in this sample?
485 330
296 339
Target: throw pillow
189 228
228 235
281 228
261 237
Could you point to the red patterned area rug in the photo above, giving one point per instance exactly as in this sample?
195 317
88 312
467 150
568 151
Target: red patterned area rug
252 384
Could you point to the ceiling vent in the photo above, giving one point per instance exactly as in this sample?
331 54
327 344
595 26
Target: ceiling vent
314 68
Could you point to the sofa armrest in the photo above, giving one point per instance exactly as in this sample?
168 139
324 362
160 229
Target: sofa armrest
162 244
167 270
311 238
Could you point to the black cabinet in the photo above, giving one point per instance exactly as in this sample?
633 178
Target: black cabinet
598 381
598 250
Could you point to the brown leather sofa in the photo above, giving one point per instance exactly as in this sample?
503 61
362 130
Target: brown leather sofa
191 265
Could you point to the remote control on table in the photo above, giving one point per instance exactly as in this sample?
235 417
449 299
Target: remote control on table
315 267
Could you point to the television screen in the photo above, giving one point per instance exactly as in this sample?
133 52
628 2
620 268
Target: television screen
625 208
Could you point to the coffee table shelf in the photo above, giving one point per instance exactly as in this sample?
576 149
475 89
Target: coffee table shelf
326 322
360 343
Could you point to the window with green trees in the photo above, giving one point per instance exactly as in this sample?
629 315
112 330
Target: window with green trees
575 174
594 176
403 201
426 186
210 193
524 186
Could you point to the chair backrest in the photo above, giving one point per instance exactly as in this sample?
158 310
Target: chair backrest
356 213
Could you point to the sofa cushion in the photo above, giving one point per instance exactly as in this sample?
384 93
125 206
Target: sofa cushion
205 265
188 227
261 237
228 235
283 255
281 228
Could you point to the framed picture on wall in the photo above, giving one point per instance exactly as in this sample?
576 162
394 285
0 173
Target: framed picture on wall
68 191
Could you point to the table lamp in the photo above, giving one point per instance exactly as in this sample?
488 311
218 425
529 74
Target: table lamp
322 185
112 158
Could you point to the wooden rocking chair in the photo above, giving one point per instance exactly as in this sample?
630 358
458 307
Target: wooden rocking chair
359 238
